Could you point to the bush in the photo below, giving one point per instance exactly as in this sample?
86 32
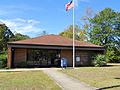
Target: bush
99 61
3 60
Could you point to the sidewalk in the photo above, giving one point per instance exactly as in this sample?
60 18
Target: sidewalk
66 82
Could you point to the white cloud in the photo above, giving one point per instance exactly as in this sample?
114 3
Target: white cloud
22 26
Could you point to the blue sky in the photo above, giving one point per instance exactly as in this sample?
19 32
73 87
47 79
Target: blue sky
33 16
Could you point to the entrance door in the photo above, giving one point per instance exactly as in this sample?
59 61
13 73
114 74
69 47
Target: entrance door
55 57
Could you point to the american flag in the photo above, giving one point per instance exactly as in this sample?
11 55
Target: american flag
69 5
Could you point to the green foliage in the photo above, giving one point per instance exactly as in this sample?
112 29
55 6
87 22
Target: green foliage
105 31
79 34
113 55
3 59
99 61
5 35
19 36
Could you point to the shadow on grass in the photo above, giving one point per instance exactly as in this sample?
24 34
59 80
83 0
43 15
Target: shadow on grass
117 78
108 87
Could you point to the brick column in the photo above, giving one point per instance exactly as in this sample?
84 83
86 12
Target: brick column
9 57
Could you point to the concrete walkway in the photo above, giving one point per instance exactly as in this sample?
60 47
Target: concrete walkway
66 82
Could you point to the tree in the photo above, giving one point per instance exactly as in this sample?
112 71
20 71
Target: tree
19 36
43 33
79 34
86 24
105 31
83 33
5 35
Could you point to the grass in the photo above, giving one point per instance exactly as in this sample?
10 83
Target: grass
36 80
104 78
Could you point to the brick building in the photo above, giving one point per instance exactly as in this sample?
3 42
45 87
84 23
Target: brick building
48 51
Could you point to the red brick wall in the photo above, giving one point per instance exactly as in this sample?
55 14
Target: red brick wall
84 57
20 56
67 54
9 61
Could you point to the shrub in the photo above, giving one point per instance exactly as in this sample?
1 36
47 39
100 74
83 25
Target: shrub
3 60
99 61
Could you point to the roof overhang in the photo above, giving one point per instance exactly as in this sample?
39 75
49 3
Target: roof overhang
53 47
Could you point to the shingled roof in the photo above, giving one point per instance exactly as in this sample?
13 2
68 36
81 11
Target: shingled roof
53 40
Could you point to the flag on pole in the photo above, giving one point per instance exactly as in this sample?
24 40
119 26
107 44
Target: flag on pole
69 5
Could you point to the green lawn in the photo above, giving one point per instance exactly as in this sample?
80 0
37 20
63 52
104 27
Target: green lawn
36 80
107 78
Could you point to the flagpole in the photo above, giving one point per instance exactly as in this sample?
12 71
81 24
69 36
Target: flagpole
73 35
